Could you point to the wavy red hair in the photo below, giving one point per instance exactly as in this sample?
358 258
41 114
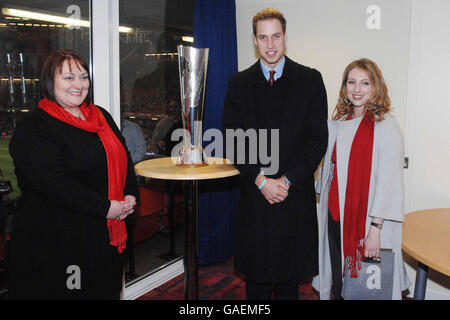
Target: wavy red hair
379 102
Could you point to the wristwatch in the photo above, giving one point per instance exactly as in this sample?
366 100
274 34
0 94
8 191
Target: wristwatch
378 225
286 180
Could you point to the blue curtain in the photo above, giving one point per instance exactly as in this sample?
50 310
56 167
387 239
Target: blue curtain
215 28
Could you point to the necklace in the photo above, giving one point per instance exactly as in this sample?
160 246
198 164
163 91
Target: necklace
78 116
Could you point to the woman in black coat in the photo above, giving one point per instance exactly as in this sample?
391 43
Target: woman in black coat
78 185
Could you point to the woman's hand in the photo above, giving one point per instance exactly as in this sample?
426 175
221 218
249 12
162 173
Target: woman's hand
129 204
116 209
121 209
372 243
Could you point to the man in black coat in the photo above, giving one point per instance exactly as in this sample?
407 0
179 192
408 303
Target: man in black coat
284 114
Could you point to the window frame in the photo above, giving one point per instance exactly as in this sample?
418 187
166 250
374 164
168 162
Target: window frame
105 73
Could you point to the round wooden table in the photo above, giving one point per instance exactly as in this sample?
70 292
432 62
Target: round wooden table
166 169
426 238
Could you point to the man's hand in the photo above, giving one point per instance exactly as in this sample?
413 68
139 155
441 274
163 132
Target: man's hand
274 190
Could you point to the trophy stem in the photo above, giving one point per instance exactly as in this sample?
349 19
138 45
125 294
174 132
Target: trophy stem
193 64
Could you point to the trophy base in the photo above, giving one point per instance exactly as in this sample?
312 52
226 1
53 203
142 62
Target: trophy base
192 157
192 165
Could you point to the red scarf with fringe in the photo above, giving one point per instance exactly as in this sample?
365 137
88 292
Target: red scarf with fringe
357 194
115 155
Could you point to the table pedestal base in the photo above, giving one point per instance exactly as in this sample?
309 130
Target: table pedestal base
165 168
191 244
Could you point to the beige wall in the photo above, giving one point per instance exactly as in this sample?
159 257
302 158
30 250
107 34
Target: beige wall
412 50
427 129
329 34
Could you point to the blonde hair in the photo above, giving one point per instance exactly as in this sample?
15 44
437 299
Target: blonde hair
269 13
379 102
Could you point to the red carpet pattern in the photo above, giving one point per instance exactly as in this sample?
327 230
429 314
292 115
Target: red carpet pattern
218 282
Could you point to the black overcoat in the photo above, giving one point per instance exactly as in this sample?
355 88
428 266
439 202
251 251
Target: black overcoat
279 242
59 230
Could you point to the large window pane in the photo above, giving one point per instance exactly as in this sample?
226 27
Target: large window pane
150 98
29 31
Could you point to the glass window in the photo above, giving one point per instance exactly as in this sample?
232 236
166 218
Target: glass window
29 31
150 98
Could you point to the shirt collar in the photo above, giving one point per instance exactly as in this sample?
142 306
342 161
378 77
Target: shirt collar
278 69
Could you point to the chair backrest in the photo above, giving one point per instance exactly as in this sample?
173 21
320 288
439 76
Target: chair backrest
151 200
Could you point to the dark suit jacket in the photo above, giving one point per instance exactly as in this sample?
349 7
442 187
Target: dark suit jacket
279 242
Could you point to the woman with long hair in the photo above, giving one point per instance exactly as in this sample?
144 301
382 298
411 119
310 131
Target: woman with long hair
361 182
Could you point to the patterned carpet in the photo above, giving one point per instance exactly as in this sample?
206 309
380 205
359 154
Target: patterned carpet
218 282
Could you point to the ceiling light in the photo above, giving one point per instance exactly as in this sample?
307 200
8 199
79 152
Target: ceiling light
161 54
187 39
53 18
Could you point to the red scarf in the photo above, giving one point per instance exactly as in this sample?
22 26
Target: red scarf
357 194
115 155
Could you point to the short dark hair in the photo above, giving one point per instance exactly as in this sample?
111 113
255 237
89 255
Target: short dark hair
267 14
53 64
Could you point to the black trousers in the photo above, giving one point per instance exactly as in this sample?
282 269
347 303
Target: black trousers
334 241
278 291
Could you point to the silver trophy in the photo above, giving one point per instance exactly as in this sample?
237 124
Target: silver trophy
193 64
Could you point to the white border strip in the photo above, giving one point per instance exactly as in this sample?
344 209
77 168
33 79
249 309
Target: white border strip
105 56
114 61
106 84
